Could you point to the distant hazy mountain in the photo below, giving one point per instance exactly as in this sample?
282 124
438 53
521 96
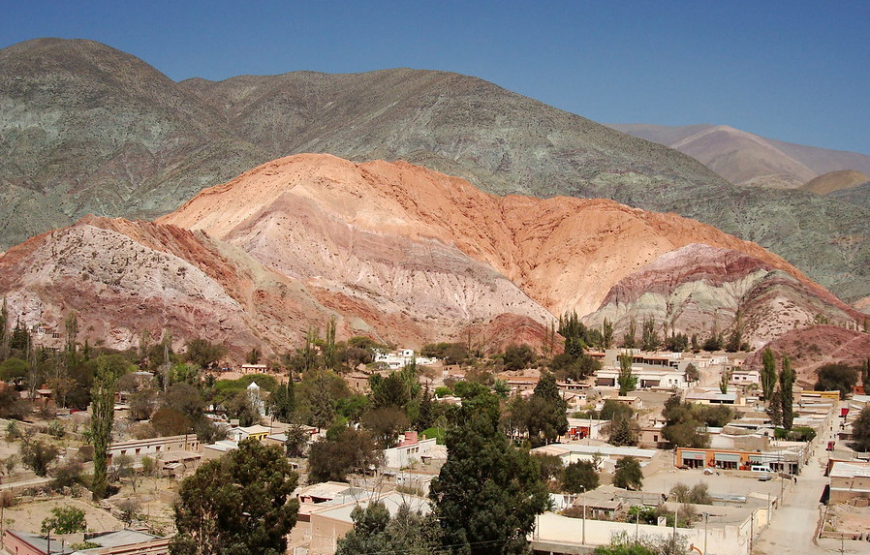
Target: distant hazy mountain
86 128
747 159
832 182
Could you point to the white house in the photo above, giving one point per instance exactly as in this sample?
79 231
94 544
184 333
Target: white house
401 358
410 450
647 378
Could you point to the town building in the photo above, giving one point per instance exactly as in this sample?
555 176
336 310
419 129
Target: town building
411 449
850 483
122 542
789 460
647 378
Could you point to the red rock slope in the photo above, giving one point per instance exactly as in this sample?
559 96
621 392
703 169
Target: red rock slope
391 250
317 217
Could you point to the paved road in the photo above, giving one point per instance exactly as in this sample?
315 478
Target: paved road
794 526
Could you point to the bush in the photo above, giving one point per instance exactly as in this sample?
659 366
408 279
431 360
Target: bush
38 456
66 474
56 430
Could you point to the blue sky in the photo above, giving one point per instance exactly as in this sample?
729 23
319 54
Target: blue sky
791 70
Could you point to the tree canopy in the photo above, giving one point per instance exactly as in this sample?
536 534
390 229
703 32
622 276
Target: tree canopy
237 504
861 430
628 474
488 492
839 377
375 532
579 476
547 416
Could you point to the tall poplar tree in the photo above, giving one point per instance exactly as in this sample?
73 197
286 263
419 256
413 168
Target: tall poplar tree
768 374
786 393
102 419
626 380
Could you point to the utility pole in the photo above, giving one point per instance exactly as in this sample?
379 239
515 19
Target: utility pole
583 541
705 532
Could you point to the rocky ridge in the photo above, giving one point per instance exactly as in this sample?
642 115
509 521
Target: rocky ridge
391 250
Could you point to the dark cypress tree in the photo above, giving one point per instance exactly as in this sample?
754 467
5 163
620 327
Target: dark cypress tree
786 385
768 373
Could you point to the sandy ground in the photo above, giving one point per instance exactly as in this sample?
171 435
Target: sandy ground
27 517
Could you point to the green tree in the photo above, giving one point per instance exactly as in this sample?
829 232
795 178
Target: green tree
685 423
204 353
629 340
237 504
389 391
861 430
724 378
38 455
517 357
348 451
622 431
786 393
774 408
297 440
488 492
768 373
836 376
579 476
650 337
626 380
66 474
607 334
282 402
253 356
11 404
317 396
547 417
574 332
692 374
628 474
109 368
385 423
65 520
375 532
13 369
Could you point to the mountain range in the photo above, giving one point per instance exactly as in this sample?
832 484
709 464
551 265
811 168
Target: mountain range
747 159
402 254
87 129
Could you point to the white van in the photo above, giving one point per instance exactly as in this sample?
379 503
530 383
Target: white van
760 468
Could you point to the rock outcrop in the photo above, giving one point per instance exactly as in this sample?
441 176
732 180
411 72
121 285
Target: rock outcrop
707 289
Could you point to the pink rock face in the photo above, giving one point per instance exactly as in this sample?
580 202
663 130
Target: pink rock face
391 250
697 287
